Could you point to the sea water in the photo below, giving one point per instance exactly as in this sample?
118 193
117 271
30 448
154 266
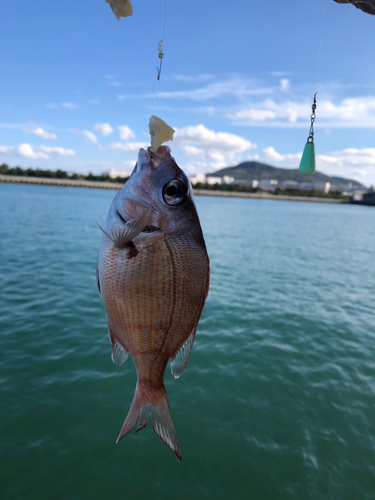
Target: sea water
277 400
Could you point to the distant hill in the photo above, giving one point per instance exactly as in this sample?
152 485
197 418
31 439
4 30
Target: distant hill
250 170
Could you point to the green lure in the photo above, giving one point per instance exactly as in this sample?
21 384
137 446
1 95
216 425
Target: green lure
307 165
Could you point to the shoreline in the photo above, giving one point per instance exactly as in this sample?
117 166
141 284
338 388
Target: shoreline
15 179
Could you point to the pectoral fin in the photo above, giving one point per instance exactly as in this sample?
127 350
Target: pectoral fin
122 234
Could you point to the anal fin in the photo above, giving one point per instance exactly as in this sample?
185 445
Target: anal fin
180 359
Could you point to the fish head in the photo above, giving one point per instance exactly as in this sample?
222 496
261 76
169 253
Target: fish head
158 181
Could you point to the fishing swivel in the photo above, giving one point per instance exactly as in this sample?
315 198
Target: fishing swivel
307 165
312 117
161 55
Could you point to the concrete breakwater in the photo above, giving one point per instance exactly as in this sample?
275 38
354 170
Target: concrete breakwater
267 196
15 179
21 179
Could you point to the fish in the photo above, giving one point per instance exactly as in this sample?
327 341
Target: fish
153 275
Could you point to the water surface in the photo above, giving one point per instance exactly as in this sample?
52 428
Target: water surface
277 400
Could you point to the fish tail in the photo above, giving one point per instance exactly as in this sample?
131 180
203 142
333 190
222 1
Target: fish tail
152 403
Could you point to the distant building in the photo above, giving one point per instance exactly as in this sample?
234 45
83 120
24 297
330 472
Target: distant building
337 188
115 173
268 184
309 186
358 194
322 186
290 185
227 179
246 182
214 180
194 179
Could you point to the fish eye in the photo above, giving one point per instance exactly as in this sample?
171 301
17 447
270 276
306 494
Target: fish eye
174 192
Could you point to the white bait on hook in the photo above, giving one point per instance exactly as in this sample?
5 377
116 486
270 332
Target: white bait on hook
121 8
160 132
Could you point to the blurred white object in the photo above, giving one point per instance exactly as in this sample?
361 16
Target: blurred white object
160 132
121 8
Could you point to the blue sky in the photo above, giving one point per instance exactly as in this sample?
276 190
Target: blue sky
238 78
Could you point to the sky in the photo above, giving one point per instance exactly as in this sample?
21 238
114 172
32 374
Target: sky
237 83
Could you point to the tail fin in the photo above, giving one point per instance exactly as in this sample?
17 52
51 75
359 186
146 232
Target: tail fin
156 407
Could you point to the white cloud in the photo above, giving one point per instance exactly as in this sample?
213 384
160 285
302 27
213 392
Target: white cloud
125 132
86 133
103 129
90 136
236 86
111 80
129 147
11 125
218 148
192 151
284 84
54 105
207 149
101 166
196 167
191 78
350 112
252 157
41 133
271 155
28 151
280 73
69 105
270 111
258 115
56 151
350 162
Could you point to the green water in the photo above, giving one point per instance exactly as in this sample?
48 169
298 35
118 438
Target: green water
277 400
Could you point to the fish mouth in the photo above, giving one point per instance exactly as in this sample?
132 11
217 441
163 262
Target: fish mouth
151 229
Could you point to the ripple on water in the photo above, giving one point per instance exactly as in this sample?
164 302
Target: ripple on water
277 399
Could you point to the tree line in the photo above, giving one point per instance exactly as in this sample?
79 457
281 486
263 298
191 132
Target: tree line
58 174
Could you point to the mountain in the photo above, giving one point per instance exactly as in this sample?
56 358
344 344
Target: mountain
250 170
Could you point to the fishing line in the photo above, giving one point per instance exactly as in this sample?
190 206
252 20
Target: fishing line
161 56
307 164
320 45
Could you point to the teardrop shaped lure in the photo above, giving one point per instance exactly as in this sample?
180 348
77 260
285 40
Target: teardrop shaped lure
307 164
